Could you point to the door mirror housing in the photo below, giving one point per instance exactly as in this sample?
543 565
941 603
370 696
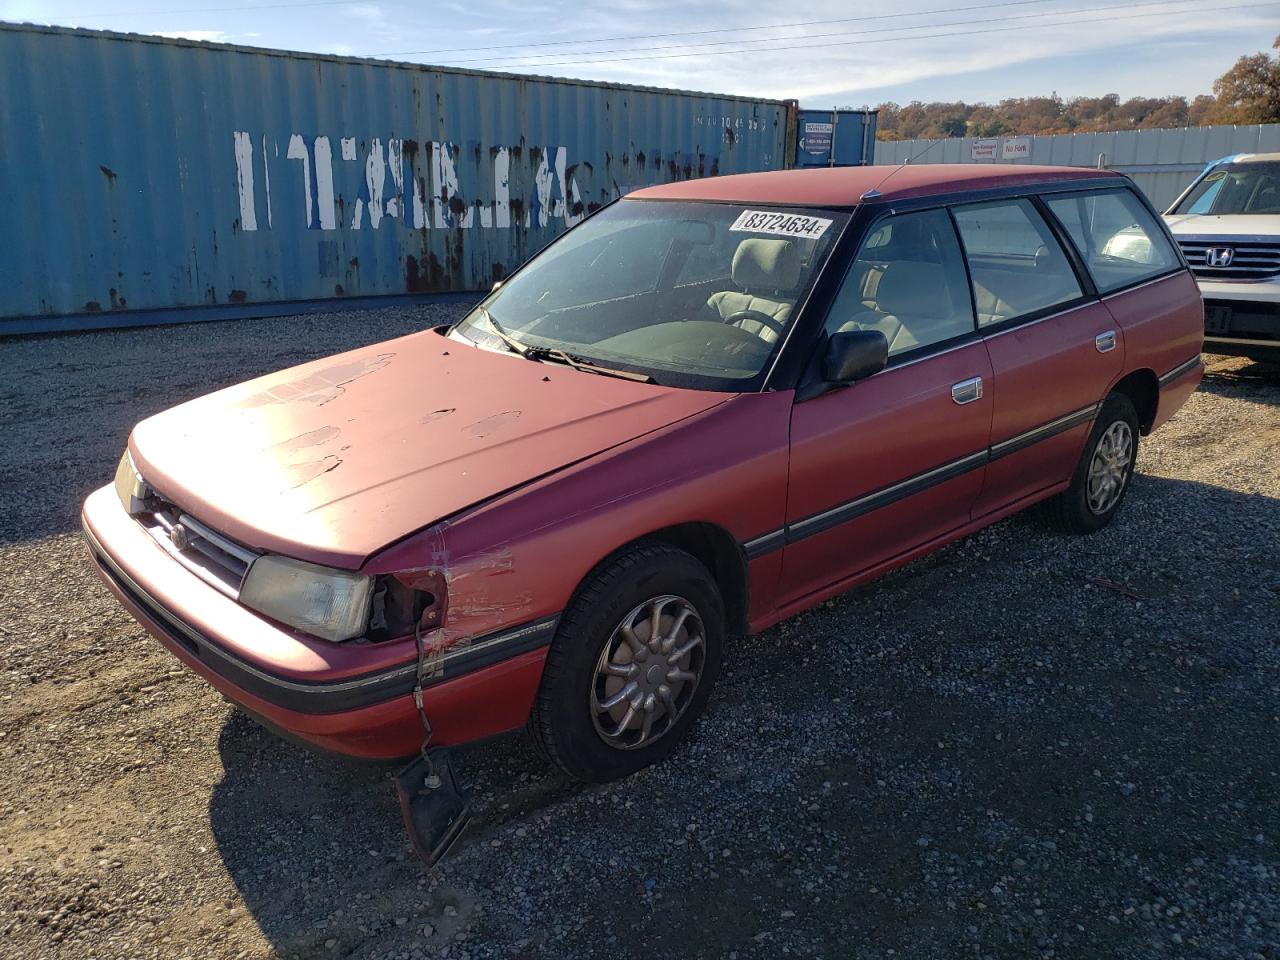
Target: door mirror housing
854 355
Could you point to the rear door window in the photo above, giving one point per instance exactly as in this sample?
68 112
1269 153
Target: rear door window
1117 237
1016 264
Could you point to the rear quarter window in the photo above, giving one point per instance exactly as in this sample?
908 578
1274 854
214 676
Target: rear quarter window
1118 239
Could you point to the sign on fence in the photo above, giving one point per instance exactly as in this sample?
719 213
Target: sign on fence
984 149
1016 148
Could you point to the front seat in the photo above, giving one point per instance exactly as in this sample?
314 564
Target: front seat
766 270
912 306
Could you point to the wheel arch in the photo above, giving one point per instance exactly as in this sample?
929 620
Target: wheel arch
1142 387
715 548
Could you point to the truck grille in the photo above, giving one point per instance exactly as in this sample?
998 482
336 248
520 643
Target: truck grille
1249 259
213 558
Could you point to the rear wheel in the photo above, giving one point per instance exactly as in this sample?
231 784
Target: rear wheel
1102 476
632 664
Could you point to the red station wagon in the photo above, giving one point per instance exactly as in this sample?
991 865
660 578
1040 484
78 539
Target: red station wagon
708 407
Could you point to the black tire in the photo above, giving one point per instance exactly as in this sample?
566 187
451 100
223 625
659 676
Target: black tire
1070 511
561 722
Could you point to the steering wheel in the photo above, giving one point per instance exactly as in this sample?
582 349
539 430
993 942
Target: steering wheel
773 324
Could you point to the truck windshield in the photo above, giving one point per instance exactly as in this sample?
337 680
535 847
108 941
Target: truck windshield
1232 188
692 294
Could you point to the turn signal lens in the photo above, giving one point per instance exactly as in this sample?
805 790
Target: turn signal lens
130 487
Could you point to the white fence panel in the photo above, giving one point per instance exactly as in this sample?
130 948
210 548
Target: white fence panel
1161 162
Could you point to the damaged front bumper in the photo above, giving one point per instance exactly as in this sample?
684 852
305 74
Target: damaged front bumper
355 699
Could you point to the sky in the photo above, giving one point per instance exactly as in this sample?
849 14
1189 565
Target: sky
825 53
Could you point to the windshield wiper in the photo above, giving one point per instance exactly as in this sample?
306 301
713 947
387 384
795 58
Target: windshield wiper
500 331
553 355
587 366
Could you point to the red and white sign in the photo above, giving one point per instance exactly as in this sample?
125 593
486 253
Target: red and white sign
1016 148
984 149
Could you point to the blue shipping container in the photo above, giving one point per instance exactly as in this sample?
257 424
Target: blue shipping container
835 138
150 179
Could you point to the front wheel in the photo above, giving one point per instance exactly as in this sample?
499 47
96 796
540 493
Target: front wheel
632 664
1101 478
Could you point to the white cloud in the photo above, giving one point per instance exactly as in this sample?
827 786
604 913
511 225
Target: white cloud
374 22
1179 51
865 67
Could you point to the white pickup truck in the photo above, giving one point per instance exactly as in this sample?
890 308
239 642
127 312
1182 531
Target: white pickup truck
1228 225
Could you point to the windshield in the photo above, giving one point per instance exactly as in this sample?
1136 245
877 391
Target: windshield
684 293
1236 188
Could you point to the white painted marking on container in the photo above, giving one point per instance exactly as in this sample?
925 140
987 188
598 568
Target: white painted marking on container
395 160
445 185
266 176
547 176
244 179
348 145
419 205
421 194
502 188
375 173
298 151
324 184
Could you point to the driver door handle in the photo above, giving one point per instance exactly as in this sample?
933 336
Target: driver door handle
967 391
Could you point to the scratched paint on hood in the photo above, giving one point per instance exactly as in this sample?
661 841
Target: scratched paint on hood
334 459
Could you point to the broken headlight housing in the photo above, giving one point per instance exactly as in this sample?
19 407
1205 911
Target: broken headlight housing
326 603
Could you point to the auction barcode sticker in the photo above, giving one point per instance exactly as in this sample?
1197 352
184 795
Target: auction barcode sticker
781 224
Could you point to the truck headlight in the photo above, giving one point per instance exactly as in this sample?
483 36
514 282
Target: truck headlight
130 487
330 604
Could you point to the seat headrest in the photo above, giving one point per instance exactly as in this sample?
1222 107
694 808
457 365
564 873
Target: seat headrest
911 288
760 264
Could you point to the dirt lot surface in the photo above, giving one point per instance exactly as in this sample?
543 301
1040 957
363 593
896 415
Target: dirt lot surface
1024 745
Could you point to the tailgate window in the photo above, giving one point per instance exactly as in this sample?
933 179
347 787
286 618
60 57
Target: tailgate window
1117 237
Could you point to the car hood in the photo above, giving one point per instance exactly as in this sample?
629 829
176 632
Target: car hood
333 460
1264 226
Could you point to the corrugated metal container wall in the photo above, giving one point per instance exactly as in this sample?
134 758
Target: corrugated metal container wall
144 174
1161 162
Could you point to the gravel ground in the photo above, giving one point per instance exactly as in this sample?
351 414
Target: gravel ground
1023 745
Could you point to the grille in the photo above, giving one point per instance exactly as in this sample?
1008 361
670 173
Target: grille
218 561
1250 260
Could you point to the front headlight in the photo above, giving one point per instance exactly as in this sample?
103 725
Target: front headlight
331 604
130 487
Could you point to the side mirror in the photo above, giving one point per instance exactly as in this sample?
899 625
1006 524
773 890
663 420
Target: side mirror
855 355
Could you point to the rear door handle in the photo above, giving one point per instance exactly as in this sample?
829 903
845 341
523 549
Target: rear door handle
1105 342
967 391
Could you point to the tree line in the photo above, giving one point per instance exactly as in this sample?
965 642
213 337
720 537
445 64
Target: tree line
1247 93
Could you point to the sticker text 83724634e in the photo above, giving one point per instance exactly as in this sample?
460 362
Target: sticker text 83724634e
781 224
